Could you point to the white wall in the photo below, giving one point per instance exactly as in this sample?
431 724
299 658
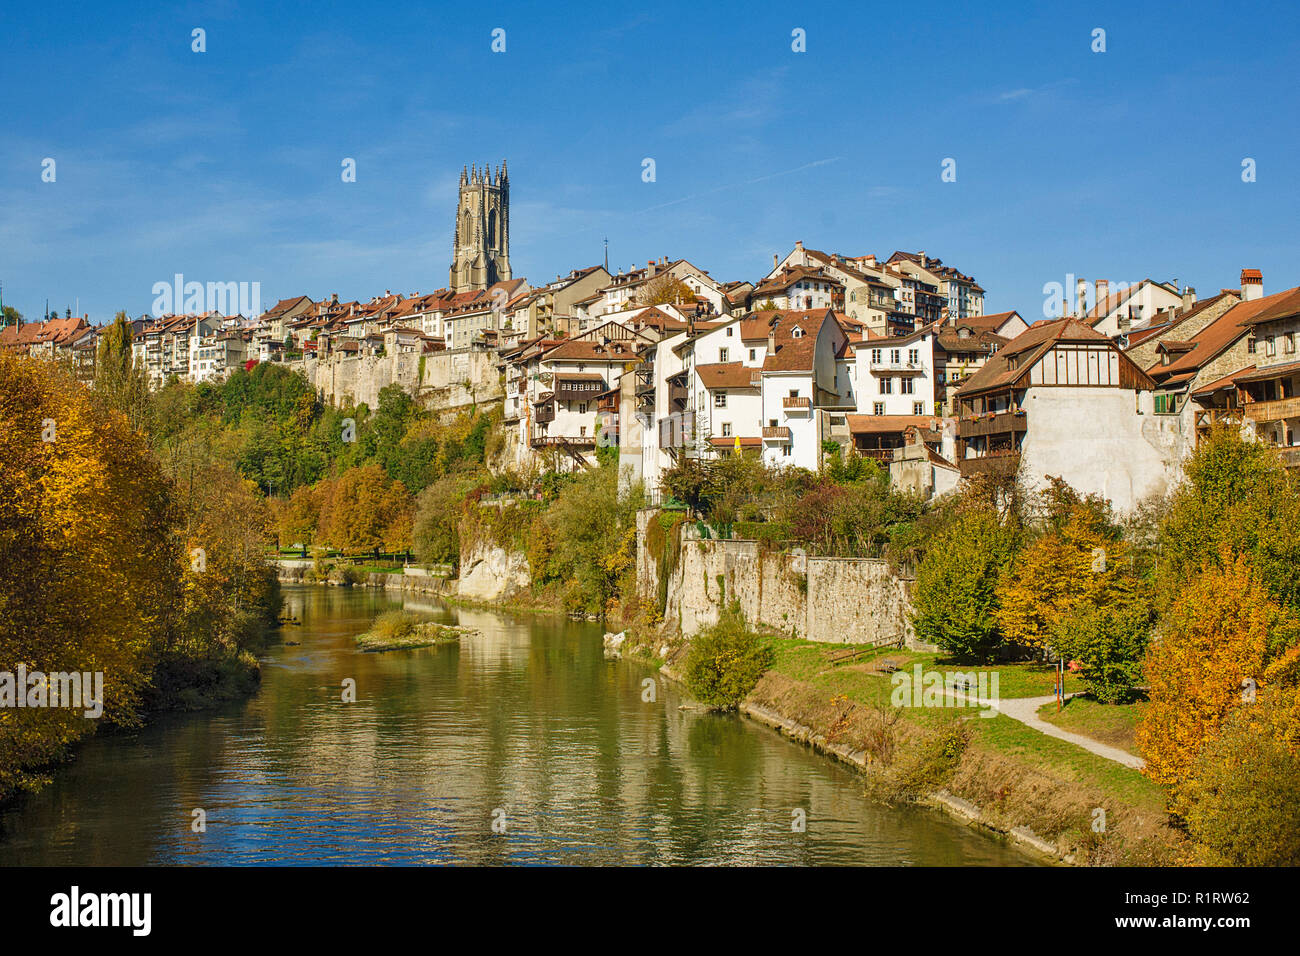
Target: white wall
1097 441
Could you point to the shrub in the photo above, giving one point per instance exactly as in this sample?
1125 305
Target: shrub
725 661
1245 788
1109 643
394 625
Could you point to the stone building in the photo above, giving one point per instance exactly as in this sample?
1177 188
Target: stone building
481 247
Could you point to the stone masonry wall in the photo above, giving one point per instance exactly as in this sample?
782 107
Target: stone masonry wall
838 600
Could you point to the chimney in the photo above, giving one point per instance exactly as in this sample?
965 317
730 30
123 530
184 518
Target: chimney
650 267
1080 297
1252 285
1103 291
1189 298
798 244
776 260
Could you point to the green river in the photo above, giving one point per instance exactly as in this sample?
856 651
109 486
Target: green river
520 746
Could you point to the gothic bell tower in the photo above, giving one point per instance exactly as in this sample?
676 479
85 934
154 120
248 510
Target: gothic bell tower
480 254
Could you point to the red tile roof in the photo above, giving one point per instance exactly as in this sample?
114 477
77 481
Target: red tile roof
888 424
727 375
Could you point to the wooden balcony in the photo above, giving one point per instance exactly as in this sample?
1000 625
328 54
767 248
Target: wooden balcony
999 423
999 463
777 433
1207 418
544 413
796 403
560 441
579 391
1290 456
1272 411
876 454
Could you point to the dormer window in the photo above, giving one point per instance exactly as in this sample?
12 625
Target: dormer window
796 333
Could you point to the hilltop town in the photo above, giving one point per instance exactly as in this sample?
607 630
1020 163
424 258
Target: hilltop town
892 358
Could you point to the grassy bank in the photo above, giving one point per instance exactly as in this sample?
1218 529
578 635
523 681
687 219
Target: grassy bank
1015 776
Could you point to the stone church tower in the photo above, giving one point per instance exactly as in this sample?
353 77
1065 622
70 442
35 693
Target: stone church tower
480 253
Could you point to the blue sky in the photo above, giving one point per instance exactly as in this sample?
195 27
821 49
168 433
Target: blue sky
225 165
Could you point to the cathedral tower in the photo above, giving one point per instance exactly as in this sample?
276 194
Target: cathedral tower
480 253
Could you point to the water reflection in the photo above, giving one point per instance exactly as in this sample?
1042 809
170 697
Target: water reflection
527 726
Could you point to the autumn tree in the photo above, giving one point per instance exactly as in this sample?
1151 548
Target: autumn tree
1080 561
666 289
365 510
89 556
298 518
1214 646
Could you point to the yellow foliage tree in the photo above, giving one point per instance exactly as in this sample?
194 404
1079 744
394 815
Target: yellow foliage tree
89 558
1212 653
1081 563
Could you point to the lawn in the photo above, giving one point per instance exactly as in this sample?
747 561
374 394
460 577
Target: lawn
857 681
1112 724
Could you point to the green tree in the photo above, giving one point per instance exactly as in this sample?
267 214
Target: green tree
955 600
1109 643
1238 499
118 381
438 508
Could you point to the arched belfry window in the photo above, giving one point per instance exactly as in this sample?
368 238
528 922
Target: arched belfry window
492 228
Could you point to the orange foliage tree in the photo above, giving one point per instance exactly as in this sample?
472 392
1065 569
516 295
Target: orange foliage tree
364 510
1214 642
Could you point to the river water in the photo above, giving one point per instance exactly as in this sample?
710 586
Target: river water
520 746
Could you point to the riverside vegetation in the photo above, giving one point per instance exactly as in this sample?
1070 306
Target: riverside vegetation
405 630
121 553
1164 616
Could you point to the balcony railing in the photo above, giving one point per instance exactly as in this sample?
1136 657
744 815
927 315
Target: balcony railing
876 454
544 413
796 403
577 441
1207 418
995 424
1272 411
885 365
776 433
1290 457
1002 463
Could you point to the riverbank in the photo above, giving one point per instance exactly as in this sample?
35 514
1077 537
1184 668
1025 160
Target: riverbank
1049 797
179 685
548 602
